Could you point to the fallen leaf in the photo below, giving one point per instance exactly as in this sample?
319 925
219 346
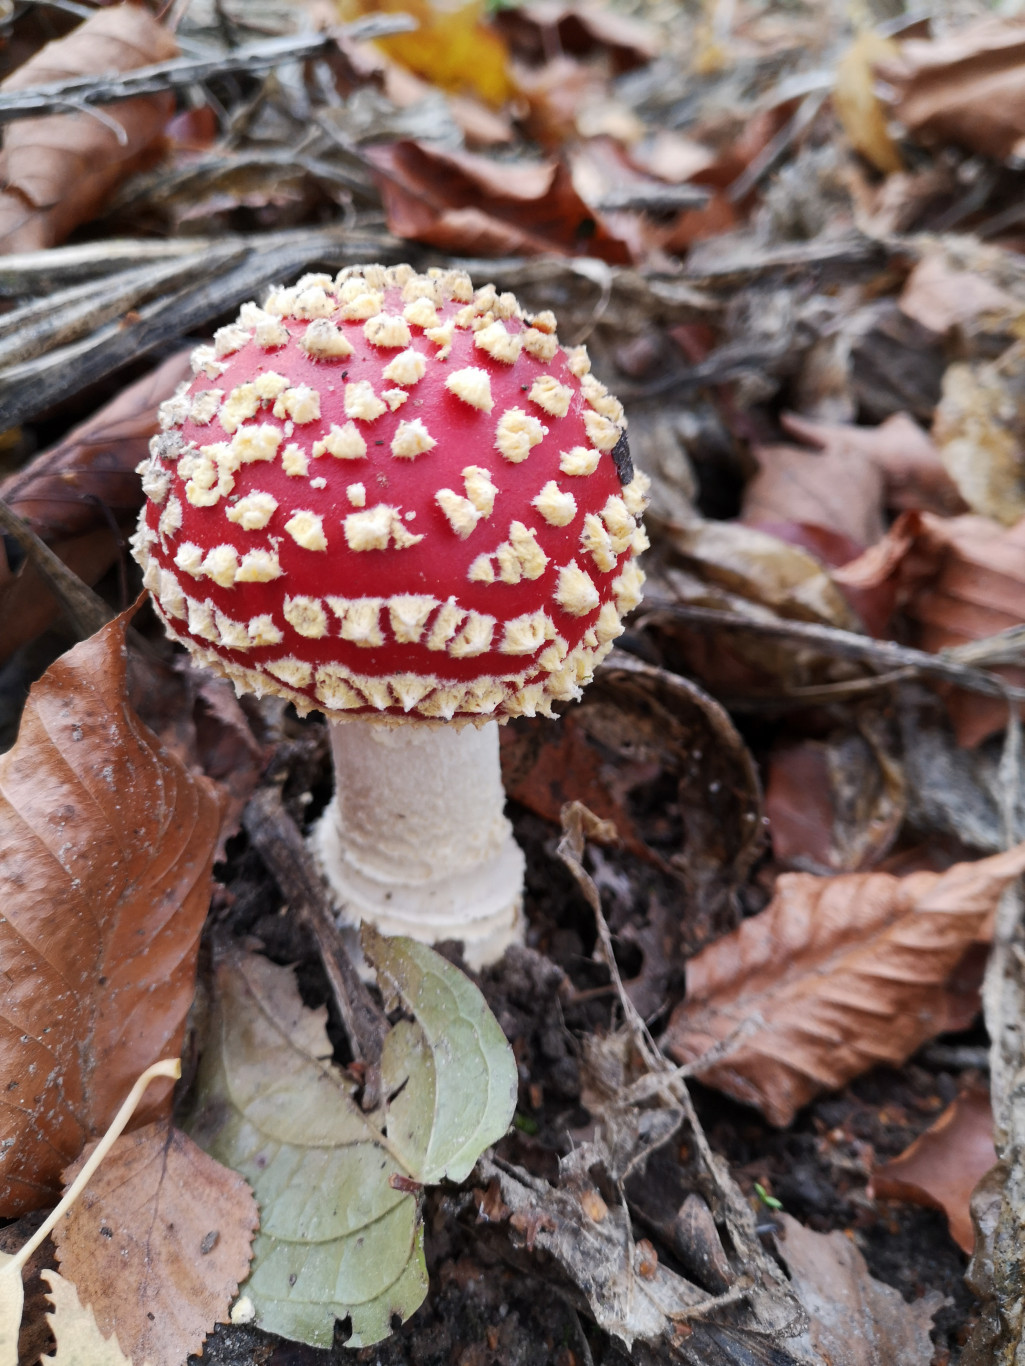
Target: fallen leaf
831 488
945 1164
977 429
106 845
858 107
834 976
535 31
341 1233
941 296
58 171
71 494
79 1341
467 203
157 1243
967 87
855 1320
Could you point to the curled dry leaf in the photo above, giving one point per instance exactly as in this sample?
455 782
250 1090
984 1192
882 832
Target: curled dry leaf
57 171
855 1320
834 976
72 494
945 1164
967 87
106 845
466 203
158 1243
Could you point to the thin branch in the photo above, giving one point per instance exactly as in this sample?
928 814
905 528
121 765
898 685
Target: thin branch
56 96
85 610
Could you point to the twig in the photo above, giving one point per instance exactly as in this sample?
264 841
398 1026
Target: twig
57 97
831 640
86 610
281 846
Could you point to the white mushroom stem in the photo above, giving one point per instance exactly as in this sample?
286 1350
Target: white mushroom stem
416 840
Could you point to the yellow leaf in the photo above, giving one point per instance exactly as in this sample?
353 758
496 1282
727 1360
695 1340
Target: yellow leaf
858 107
79 1340
452 47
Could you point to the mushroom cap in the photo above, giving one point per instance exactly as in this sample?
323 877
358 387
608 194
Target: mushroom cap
388 495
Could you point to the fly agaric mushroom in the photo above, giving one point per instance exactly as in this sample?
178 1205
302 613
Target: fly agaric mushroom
402 502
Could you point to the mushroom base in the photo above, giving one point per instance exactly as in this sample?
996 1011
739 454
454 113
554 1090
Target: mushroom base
416 841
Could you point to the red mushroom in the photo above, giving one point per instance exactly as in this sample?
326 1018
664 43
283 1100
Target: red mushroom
402 502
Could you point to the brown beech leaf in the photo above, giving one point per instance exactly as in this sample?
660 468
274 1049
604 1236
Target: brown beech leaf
106 845
157 1243
945 1164
967 87
836 975
464 202
57 171
73 495
831 488
855 1320
941 294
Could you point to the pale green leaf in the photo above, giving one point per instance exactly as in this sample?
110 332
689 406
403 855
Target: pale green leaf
337 1239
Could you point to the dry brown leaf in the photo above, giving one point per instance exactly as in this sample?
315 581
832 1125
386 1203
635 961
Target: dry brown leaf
834 976
71 494
945 1164
977 428
463 202
57 171
855 1319
941 296
967 87
106 845
831 488
158 1242
534 32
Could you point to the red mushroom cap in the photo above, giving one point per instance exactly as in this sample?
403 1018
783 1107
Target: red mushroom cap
388 495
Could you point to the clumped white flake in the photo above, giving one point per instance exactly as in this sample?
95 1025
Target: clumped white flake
596 542
228 340
334 689
407 615
520 557
421 313
600 431
473 386
412 439
442 336
483 695
254 511
409 689
480 489
578 362
279 302
516 434
324 340
549 394
555 506
482 570
525 634
151 574
271 333
544 321
204 359
307 616
608 626
362 306
457 285
376 691
189 557
263 631
233 634
448 620
395 398
295 672
461 513
204 405
170 518
575 592
312 302
498 343
178 408
627 588
269 385
294 460
551 659
505 306
475 636
416 286
359 620
201 619
356 494
599 398
241 404
361 401
387 331
250 444
579 461
374 528
635 494
315 279
301 404
258 566
526 701
156 481
443 703
344 443
172 599
619 520
639 541
541 345
307 529
407 368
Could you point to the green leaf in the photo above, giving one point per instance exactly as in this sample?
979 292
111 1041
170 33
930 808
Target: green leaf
337 1238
